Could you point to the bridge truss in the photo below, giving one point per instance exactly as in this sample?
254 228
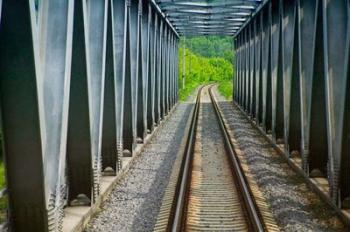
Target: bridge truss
83 81
292 79
80 82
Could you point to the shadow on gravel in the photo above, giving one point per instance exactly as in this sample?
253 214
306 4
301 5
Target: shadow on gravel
146 216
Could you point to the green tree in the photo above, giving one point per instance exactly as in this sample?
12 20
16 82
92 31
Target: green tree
208 59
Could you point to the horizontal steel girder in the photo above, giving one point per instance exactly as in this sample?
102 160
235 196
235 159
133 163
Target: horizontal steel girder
207 14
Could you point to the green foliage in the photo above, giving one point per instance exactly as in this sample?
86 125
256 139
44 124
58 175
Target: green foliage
226 89
210 46
2 175
3 200
209 61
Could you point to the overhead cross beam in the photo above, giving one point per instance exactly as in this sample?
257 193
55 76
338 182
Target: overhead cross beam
198 17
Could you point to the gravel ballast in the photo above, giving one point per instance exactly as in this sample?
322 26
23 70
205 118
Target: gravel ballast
134 203
294 205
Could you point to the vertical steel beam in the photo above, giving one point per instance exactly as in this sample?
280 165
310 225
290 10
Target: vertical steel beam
175 77
243 73
165 67
145 30
268 119
244 67
109 126
90 26
336 22
236 93
238 55
150 70
171 70
252 70
174 60
184 63
261 93
21 135
171 66
141 74
119 30
177 63
240 68
177 74
236 69
174 68
96 58
79 152
170 84
130 100
246 70
276 72
161 69
167 76
164 76
237 50
53 86
258 69
234 85
266 67
312 89
156 68
292 118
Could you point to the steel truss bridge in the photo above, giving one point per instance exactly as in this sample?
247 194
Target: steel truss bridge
83 81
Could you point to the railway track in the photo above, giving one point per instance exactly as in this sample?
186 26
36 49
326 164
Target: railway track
212 192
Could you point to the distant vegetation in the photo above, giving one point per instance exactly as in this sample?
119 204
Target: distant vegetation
2 175
208 59
3 200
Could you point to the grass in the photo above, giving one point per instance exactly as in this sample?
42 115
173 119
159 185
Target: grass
226 89
188 90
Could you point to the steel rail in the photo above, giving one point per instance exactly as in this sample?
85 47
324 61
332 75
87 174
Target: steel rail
176 223
177 218
255 219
